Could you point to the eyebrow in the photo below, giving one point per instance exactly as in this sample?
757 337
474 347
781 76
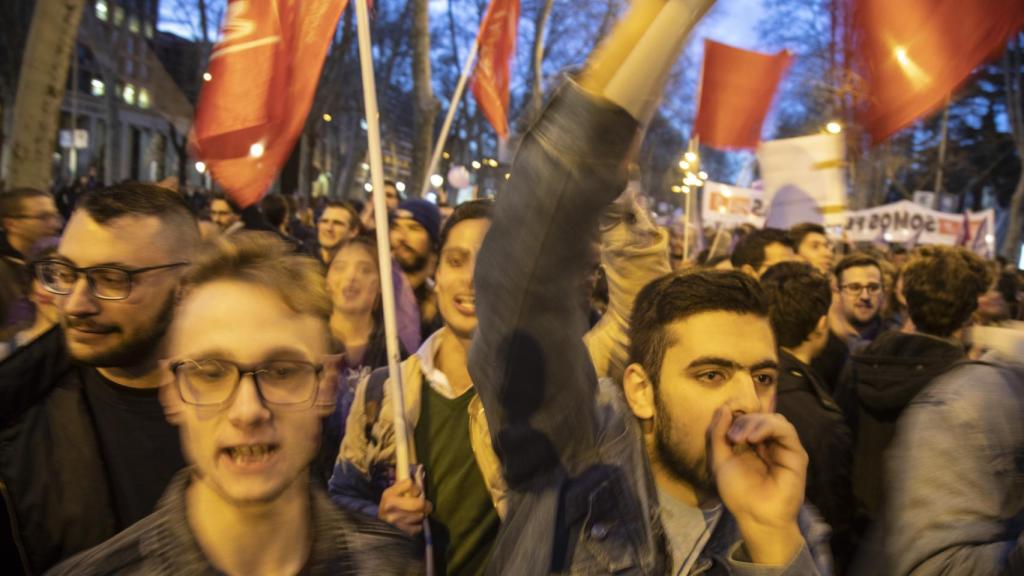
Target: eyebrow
114 264
726 363
279 353
459 250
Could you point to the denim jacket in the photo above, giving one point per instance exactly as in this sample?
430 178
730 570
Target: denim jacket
581 495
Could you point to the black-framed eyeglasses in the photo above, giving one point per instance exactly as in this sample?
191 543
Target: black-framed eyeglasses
855 289
105 282
212 383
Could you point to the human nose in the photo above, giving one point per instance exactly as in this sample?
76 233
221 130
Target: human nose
745 398
81 301
247 408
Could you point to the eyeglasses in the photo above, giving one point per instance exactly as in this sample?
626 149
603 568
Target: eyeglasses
855 289
105 282
51 216
213 383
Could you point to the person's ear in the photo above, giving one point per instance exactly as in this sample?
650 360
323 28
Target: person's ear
639 391
822 326
327 387
169 397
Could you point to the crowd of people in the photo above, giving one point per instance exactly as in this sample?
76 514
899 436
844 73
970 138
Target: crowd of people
193 388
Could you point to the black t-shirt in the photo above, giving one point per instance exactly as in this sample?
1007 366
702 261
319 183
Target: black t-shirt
141 451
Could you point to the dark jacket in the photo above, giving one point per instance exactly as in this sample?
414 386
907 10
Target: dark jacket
878 384
53 481
162 544
802 398
582 498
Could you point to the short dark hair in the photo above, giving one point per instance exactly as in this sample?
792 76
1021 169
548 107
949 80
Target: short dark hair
798 296
474 209
11 200
800 231
856 260
679 295
231 203
941 285
347 207
135 199
750 250
275 209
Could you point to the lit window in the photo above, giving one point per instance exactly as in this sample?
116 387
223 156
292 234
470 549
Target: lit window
98 88
143 98
118 15
148 30
133 24
102 10
129 94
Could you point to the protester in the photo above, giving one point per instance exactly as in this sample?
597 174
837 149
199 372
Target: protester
760 250
415 226
392 199
956 494
464 494
225 214
27 216
584 482
338 222
1000 302
941 285
44 303
248 403
812 245
799 298
103 468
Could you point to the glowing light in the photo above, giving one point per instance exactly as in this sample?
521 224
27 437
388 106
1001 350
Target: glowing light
887 236
677 189
98 87
368 187
702 175
328 117
686 189
364 166
446 155
690 157
201 167
684 165
437 180
989 238
475 165
430 197
400 186
207 76
507 176
901 56
257 150
726 192
833 127
493 163
129 94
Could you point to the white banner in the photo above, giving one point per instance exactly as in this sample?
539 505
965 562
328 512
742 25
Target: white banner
732 205
906 221
803 179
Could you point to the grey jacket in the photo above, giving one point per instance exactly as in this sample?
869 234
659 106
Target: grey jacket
162 544
581 496
956 475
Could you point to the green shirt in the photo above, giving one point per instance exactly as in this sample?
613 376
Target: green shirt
464 523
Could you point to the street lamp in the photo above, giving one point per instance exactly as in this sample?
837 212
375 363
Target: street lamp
256 150
437 180
328 117
400 186
207 76
684 165
201 167
475 165
833 127
690 157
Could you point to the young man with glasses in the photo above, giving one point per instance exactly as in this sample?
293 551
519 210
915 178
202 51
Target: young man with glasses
246 382
27 216
84 448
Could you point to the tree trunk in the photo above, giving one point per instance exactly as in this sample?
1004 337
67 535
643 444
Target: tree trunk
427 106
1014 78
537 94
305 152
41 86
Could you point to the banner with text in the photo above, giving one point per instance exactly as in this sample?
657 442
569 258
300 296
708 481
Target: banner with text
732 205
905 221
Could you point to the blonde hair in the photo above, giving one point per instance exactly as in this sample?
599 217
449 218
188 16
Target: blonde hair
265 260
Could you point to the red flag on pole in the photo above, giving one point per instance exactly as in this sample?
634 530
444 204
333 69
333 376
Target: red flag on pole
914 53
497 45
737 87
259 89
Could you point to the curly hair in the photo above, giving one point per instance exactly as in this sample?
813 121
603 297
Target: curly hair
941 285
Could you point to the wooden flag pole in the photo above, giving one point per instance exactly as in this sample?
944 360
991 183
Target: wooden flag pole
442 139
380 213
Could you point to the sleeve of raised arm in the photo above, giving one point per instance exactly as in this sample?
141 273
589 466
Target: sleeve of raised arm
528 361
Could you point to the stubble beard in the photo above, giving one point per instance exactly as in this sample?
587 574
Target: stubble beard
132 351
692 471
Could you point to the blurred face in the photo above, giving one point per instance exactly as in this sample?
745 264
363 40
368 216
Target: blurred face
391 194
335 226
107 333
410 244
775 253
456 298
37 219
714 359
354 280
861 306
246 451
222 215
816 250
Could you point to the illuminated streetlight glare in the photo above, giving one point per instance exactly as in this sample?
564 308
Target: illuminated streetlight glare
400 186
901 55
256 150
686 189
437 180
475 165
684 165
834 127
207 76
690 157
368 187
702 175
328 117
201 167
677 189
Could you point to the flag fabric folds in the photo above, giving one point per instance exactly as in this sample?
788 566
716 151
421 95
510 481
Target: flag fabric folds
260 86
737 87
497 46
912 54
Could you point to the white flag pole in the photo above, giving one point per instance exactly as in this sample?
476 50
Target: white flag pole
380 213
442 139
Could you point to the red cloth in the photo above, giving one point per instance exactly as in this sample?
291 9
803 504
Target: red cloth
497 39
913 53
264 75
736 92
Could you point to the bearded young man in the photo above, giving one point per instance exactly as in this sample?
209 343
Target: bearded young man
84 448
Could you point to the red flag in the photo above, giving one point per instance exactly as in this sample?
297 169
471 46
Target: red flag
261 82
737 87
497 40
914 53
